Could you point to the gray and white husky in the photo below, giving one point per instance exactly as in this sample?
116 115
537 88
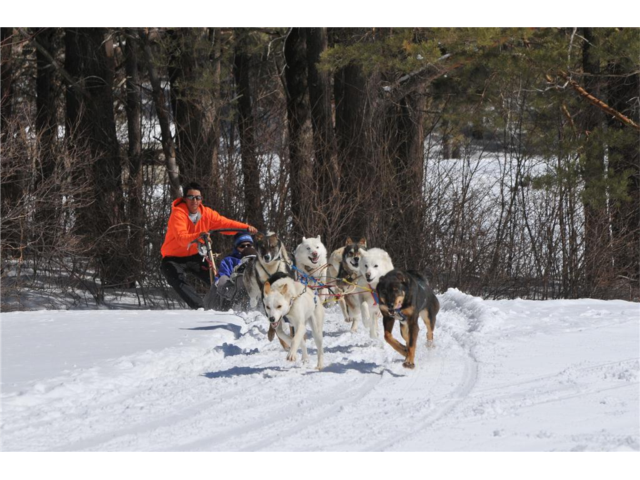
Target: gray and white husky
271 258
343 272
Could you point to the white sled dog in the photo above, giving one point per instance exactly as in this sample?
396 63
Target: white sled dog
343 272
272 257
374 264
311 259
287 300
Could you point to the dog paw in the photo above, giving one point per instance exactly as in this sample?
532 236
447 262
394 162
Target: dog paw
430 344
348 320
292 357
409 365
320 366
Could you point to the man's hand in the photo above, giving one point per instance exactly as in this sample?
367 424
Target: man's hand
205 237
252 229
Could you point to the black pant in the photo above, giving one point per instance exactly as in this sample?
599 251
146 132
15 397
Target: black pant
175 270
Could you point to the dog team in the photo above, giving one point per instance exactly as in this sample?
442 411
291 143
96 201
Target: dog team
362 281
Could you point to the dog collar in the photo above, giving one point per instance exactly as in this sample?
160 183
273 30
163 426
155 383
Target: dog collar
374 294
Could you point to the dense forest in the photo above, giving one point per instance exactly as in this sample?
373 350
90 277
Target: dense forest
500 161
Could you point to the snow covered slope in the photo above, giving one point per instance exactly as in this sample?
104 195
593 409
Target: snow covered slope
504 376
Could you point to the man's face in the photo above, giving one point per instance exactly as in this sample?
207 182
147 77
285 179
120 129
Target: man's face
193 199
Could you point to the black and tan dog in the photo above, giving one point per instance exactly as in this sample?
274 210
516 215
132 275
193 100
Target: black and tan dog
405 296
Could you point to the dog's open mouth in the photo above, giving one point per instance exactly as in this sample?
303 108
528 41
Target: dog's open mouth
275 324
314 259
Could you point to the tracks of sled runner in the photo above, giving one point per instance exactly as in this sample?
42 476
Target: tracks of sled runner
364 400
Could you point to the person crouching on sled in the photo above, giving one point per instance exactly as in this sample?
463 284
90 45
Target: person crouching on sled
188 220
229 291
241 242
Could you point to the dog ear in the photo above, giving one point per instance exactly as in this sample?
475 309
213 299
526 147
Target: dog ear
318 237
349 241
258 237
402 278
267 287
304 238
284 289
362 243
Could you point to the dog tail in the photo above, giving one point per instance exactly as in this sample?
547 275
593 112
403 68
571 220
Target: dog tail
433 308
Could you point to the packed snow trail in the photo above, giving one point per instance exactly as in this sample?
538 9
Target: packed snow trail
505 375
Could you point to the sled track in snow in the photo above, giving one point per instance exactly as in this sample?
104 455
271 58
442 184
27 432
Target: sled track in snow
459 394
93 443
280 420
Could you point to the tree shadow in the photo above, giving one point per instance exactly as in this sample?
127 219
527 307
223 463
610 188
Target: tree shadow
240 371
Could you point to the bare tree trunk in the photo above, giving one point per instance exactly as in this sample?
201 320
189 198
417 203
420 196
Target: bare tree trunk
74 55
358 130
596 228
246 121
624 160
73 65
108 210
46 130
11 182
406 142
162 111
134 155
195 104
46 124
91 120
6 81
299 122
213 192
325 165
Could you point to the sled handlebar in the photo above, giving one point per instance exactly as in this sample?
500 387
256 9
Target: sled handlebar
238 230
200 239
221 230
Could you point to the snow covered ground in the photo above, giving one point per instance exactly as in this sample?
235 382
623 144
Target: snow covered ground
511 375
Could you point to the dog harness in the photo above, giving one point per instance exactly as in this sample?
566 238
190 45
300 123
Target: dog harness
398 315
374 294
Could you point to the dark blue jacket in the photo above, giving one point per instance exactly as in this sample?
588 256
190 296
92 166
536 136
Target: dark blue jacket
229 263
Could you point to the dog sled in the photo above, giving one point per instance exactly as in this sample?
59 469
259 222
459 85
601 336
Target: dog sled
232 293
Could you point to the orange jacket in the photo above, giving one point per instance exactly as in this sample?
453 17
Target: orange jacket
181 231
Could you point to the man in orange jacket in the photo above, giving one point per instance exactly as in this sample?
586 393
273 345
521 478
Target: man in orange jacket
188 220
